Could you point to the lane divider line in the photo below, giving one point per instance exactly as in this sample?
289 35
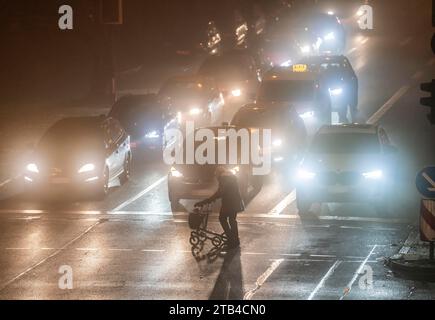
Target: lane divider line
358 272
280 207
139 195
323 280
34 266
262 279
388 105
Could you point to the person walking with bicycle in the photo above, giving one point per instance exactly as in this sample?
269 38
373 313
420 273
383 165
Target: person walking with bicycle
232 203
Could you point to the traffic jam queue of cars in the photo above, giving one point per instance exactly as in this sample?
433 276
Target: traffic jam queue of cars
336 162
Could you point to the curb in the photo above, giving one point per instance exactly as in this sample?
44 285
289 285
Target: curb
413 266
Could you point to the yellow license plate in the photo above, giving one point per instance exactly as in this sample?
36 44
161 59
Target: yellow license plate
300 68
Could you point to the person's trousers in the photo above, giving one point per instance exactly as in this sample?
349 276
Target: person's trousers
228 222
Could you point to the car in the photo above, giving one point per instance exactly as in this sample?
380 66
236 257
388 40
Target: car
142 118
197 181
289 134
193 98
321 33
347 163
340 78
299 87
80 154
236 74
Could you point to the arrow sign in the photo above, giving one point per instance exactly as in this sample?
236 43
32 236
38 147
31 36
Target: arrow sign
426 182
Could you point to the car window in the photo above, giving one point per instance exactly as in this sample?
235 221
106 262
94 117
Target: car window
287 91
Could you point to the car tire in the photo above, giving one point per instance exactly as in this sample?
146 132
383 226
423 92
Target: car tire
125 176
103 188
303 204
244 187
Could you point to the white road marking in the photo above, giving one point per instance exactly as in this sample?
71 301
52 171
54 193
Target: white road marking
323 280
185 214
87 249
3 286
388 105
262 279
280 207
139 195
150 250
255 253
322 256
357 273
121 250
4 183
352 51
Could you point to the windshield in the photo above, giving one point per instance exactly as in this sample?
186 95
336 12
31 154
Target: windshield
260 119
133 108
224 68
346 143
72 137
287 91
182 90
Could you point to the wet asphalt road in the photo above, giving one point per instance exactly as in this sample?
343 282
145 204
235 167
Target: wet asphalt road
131 246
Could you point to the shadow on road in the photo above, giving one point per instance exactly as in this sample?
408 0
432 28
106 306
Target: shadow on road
229 284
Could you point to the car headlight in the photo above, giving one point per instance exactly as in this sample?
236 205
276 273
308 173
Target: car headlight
235 170
87 168
236 93
307 115
330 36
195 111
287 63
32 167
175 173
305 49
373 175
277 143
336 92
152 135
303 174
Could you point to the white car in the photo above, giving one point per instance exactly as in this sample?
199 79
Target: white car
347 163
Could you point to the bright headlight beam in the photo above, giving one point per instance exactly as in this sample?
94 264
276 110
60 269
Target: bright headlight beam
377 174
195 111
305 49
277 143
307 115
236 93
330 36
336 92
152 135
305 175
32 167
175 173
87 168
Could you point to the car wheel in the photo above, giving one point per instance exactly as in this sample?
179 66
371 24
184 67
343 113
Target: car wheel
103 188
326 115
125 176
353 114
174 201
244 187
303 204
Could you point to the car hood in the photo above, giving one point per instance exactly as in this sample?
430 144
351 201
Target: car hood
343 162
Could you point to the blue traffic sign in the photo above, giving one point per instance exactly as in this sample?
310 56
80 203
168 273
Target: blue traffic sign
426 182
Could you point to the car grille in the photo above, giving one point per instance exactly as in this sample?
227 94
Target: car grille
340 178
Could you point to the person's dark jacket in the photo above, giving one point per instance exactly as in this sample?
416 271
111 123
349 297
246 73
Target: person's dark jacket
229 192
